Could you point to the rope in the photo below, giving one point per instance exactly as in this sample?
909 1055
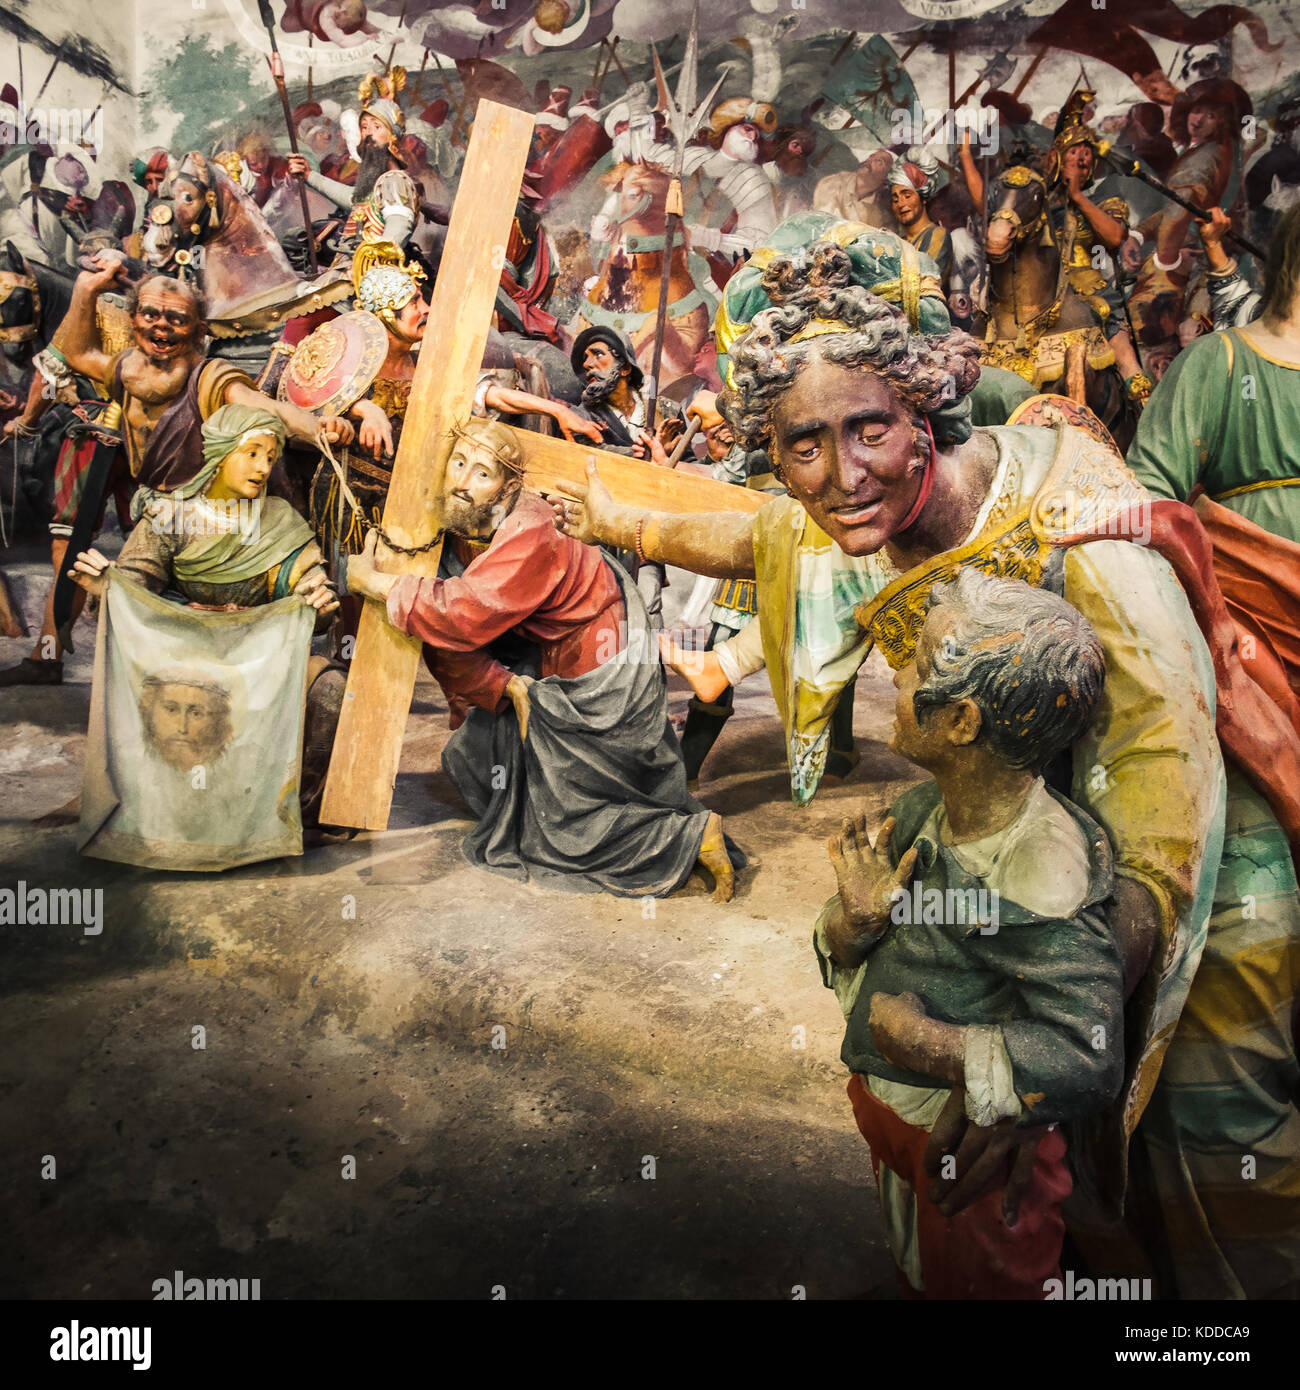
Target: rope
366 524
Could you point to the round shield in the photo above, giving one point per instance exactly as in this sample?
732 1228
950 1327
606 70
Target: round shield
334 366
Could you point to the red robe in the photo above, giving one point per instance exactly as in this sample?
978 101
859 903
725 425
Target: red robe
545 587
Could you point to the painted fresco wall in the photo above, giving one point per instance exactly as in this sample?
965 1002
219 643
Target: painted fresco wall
199 69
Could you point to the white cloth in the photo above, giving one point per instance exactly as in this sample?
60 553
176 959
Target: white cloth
188 795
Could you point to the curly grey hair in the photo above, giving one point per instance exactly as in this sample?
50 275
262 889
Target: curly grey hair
1030 661
931 375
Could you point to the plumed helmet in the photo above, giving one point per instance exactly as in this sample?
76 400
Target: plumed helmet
384 281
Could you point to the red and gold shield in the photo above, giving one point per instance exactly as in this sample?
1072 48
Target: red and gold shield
334 366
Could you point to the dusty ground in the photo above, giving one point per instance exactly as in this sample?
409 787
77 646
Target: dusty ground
697 1046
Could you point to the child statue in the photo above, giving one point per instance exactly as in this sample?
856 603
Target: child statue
970 946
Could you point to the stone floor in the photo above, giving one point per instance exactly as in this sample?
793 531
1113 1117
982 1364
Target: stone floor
662 1114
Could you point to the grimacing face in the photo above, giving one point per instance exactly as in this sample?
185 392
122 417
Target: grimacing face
845 446
186 724
1080 157
166 323
474 491
244 471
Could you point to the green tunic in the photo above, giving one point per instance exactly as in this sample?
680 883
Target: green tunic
1227 417
1046 977
996 395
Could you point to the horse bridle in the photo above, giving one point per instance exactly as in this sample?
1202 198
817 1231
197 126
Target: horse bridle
10 281
1020 177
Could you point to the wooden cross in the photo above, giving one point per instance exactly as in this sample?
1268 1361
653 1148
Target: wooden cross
368 744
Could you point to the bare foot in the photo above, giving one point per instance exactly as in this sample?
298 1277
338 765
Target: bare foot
713 859
701 670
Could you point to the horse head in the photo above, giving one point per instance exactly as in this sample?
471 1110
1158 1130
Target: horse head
20 301
1018 210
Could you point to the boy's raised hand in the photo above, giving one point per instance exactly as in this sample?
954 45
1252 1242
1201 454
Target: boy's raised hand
867 881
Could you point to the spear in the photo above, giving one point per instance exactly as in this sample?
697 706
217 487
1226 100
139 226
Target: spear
613 53
89 123
1031 70
600 60
388 67
1125 163
277 72
683 118
419 77
48 75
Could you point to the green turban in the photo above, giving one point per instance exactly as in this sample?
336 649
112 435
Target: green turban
883 263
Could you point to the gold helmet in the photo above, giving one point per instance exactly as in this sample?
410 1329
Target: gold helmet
1070 131
378 94
230 162
740 111
384 281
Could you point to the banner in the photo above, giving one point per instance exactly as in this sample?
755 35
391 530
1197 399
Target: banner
949 9
872 84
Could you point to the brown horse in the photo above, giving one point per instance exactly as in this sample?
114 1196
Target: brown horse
1038 326
626 293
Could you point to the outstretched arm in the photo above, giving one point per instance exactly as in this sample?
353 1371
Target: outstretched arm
300 424
719 544
511 402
